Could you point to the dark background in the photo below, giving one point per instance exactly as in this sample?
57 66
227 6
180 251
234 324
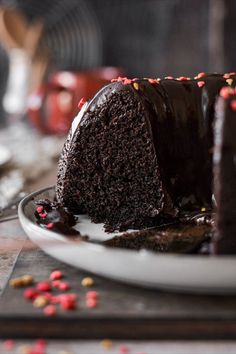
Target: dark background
146 37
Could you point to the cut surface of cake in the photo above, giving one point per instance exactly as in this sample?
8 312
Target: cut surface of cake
141 149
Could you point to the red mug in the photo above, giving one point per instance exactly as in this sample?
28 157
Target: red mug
53 105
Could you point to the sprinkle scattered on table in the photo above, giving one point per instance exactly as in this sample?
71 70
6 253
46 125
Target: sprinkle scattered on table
87 282
52 294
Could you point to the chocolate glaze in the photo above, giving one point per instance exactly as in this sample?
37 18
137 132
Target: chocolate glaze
225 177
181 116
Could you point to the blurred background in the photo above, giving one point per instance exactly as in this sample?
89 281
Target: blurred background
54 52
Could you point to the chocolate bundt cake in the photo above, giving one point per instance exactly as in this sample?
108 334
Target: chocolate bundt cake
225 172
141 149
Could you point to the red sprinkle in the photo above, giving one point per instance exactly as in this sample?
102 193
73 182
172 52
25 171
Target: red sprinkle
50 225
63 286
71 296
152 81
183 78
81 102
225 92
39 209
67 302
48 296
50 310
91 303
200 83
9 344
56 283
68 305
43 286
233 105
55 299
92 295
56 275
40 343
30 294
124 80
43 215
38 348
127 81
123 349
201 75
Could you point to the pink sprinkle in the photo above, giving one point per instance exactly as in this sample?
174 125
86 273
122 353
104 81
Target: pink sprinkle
91 303
9 344
43 215
50 225
67 302
183 78
81 102
39 209
123 349
56 283
50 310
43 286
55 300
36 349
64 286
225 92
64 297
40 343
30 294
169 78
232 73
152 81
201 75
201 83
68 305
127 81
226 76
48 296
120 79
72 297
233 105
56 274
92 295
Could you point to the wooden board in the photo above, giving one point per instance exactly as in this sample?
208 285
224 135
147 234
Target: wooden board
124 311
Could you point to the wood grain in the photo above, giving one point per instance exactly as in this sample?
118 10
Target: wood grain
124 311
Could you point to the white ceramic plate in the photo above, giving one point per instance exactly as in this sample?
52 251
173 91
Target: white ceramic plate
186 273
5 156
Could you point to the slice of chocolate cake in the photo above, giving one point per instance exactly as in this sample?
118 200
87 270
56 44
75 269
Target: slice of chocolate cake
225 172
140 150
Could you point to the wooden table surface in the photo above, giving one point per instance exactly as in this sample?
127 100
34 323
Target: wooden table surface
12 238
